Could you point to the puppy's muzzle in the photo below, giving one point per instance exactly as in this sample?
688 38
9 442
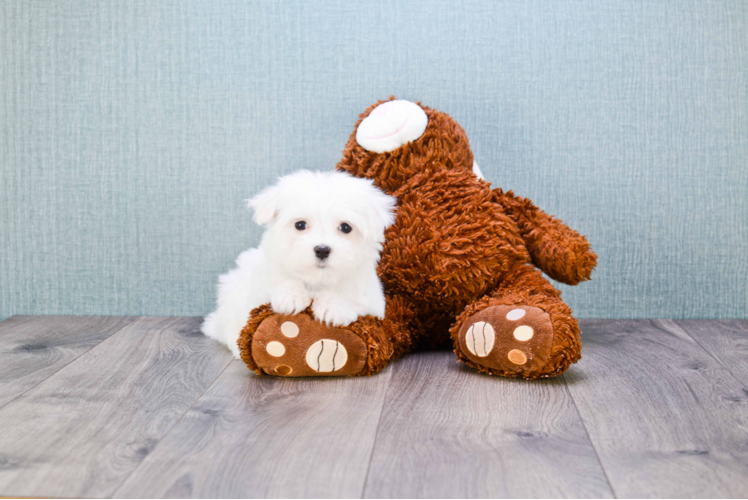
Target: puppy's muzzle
322 251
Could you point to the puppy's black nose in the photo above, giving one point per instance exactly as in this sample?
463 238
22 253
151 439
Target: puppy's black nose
322 251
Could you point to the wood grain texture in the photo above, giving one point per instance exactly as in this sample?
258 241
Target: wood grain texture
666 419
262 437
726 340
87 427
448 431
34 347
149 411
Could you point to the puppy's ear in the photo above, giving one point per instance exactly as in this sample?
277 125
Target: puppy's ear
265 204
381 213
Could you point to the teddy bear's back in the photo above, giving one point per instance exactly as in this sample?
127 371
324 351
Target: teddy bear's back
450 242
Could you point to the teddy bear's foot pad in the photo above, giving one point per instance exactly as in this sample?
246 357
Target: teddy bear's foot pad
298 346
509 339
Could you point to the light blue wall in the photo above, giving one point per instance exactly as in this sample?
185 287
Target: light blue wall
130 133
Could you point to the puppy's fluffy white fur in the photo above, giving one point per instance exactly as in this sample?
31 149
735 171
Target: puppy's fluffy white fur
303 212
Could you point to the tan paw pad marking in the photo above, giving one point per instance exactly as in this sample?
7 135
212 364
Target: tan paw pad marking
480 338
517 357
289 329
326 356
276 349
283 370
515 314
523 333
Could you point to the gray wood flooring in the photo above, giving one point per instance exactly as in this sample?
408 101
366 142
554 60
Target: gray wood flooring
131 407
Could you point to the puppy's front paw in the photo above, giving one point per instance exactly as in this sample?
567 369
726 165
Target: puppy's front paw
290 302
333 314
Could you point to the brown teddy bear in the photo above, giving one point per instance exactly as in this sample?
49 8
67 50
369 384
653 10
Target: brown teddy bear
460 266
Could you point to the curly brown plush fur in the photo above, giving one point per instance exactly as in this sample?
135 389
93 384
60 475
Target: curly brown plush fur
562 253
456 248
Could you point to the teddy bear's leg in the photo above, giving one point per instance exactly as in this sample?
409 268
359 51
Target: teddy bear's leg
300 346
521 329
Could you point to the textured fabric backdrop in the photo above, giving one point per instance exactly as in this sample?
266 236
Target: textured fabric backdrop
130 133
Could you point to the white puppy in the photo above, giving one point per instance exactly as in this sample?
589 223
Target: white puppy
324 232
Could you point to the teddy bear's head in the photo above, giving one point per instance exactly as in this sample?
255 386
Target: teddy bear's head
395 140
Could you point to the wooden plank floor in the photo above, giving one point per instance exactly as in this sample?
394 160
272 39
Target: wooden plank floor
148 407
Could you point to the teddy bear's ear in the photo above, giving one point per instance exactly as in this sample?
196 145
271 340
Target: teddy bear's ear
390 125
265 204
477 171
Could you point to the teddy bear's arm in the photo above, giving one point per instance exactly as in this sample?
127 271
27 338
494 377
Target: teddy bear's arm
559 251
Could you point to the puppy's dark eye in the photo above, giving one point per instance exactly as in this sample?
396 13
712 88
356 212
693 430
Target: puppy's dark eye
301 225
345 228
